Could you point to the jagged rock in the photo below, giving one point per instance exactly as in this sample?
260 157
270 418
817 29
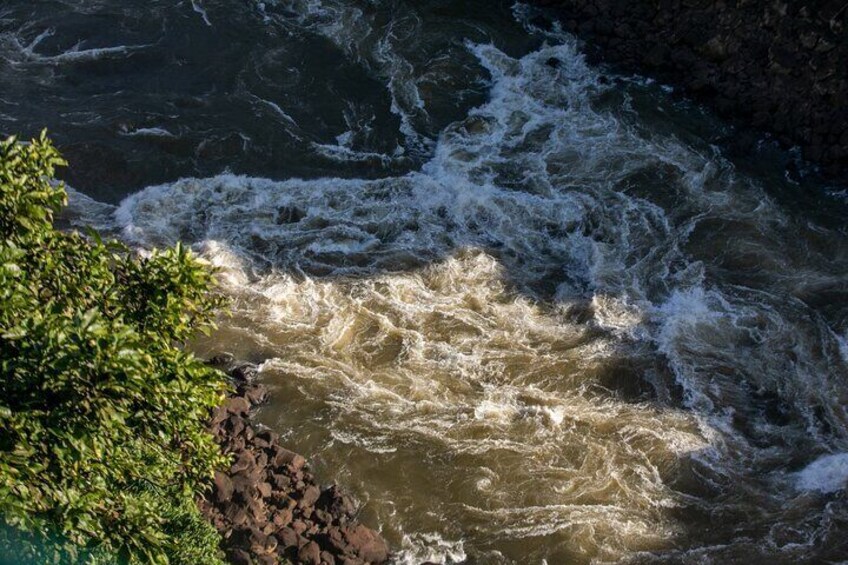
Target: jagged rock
289 215
284 457
264 490
336 503
287 537
223 487
267 505
281 481
255 394
236 515
244 462
221 360
238 557
310 553
309 498
219 414
243 373
366 543
323 517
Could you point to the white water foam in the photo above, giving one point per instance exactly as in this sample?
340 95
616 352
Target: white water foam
24 53
375 47
521 307
149 132
828 473
430 548
197 6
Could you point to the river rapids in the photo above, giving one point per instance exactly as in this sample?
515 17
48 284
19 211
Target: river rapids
526 309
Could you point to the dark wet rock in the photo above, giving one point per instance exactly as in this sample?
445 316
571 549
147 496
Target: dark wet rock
238 557
243 374
267 505
255 394
774 66
289 215
336 503
222 360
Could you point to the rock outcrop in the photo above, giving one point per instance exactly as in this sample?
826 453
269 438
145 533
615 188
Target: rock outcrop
776 65
268 506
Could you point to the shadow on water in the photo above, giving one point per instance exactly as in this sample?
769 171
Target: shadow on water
535 314
142 92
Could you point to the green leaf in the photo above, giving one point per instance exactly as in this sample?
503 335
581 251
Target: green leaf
103 436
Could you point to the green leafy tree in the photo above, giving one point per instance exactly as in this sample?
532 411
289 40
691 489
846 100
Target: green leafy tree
103 450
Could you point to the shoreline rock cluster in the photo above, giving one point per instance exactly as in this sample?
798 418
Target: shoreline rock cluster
267 505
775 66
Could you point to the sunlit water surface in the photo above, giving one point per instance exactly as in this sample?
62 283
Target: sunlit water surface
525 309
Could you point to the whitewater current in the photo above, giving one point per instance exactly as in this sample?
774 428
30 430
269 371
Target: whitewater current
559 326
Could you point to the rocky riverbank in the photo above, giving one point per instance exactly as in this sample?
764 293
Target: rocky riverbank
775 66
268 506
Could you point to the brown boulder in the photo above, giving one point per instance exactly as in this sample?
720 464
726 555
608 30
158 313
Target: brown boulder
280 481
309 498
244 462
282 518
338 504
366 543
223 487
283 457
287 537
237 405
310 553
264 490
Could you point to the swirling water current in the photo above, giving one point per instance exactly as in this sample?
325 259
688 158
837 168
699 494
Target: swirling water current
525 309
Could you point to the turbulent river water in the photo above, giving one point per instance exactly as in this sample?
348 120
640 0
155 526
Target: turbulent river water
525 309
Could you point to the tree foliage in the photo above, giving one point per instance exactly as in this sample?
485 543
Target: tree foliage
103 449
